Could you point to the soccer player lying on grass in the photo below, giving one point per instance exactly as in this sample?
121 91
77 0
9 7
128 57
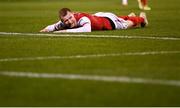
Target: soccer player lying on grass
84 22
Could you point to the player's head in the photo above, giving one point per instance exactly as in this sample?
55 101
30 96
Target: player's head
67 17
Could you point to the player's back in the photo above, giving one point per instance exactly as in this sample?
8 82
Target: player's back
97 23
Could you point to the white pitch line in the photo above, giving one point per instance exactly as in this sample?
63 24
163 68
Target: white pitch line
88 56
88 36
121 79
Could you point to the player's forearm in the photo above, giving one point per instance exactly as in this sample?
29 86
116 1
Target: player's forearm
50 28
81 29
85 28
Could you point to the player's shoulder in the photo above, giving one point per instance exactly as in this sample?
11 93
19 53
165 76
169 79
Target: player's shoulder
79 15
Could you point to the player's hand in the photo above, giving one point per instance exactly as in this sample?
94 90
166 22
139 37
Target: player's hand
44 30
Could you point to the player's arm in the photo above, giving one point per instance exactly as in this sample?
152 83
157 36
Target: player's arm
53 27
84 25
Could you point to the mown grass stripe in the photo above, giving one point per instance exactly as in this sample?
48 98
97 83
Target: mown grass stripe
88 56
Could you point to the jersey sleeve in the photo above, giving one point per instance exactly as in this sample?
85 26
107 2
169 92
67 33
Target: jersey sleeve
57 26
84 25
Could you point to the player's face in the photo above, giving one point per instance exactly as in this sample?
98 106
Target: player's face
69 20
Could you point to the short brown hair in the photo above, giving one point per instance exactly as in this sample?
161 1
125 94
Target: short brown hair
63 12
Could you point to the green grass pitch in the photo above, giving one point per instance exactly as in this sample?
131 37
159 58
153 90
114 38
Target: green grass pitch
29 16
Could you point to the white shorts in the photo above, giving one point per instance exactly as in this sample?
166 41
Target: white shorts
119 22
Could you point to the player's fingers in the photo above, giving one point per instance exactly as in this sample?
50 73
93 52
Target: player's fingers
43 30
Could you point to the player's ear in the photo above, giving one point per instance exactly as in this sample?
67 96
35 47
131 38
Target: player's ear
60 17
